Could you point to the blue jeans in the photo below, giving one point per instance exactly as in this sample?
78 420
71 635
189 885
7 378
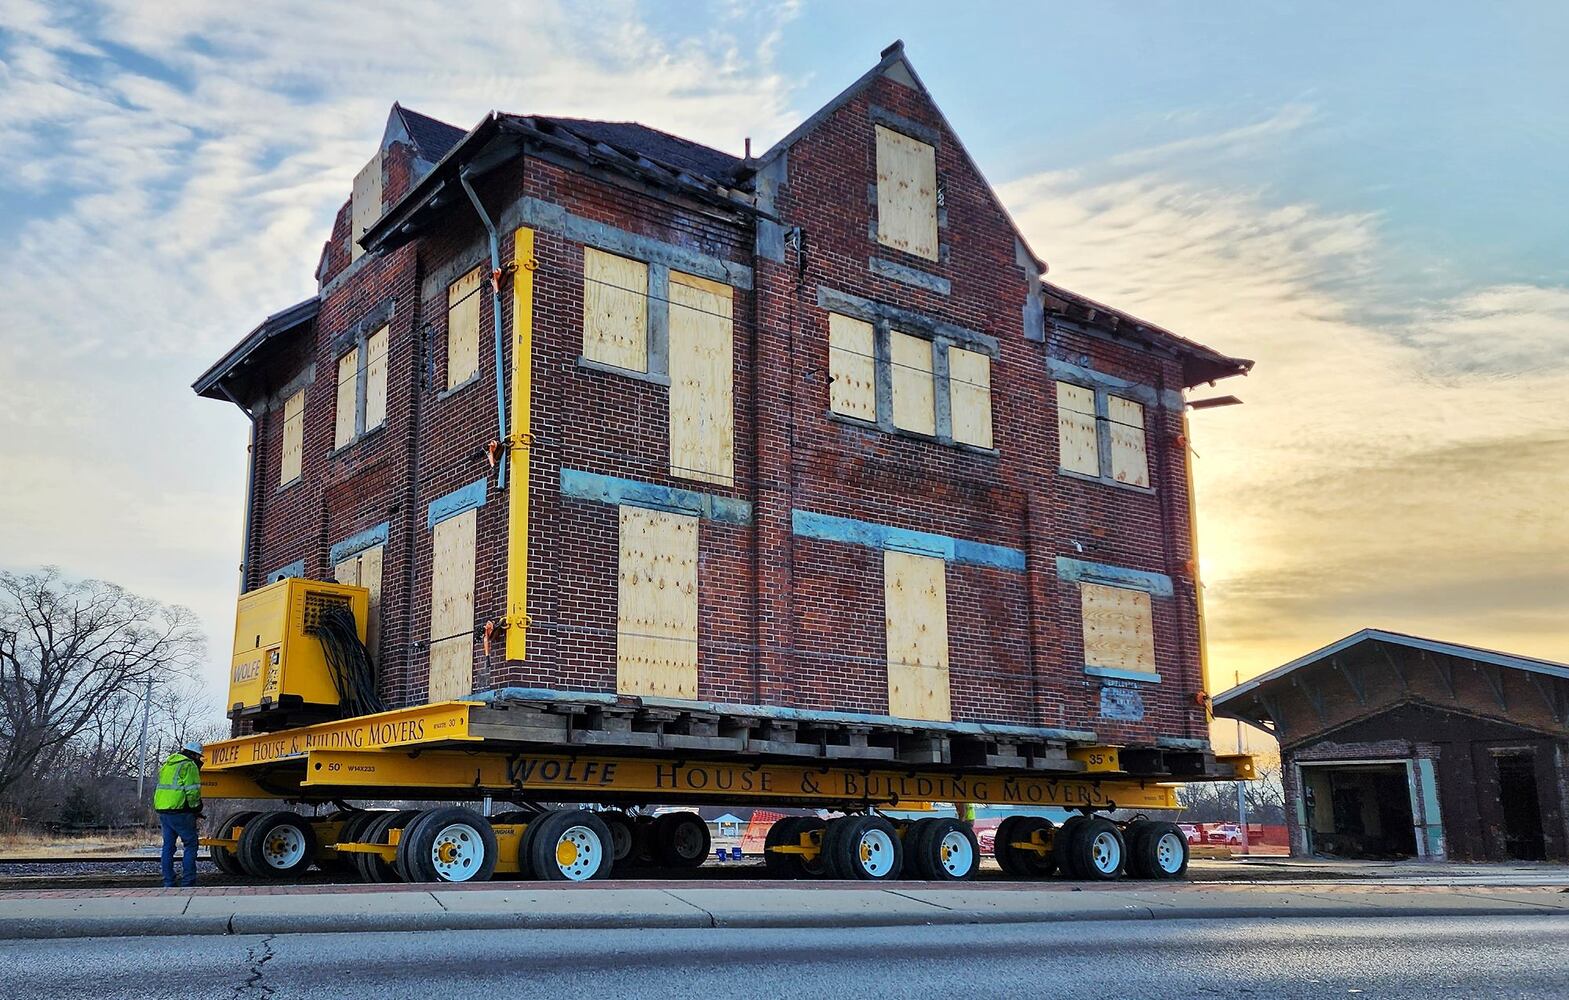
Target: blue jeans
183 826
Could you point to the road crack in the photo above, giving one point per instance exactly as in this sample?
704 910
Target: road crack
257 958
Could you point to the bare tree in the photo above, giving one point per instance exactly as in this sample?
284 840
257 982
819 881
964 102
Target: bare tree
74 657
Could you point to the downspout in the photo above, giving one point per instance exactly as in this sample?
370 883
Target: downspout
1198 583
499 450
250 490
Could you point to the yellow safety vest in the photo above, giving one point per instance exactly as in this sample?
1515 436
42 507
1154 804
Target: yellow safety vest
179 785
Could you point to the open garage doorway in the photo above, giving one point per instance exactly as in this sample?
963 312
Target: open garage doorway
1359 810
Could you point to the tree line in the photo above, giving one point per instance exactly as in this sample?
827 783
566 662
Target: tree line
80 663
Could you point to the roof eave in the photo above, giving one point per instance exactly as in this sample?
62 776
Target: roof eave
208 385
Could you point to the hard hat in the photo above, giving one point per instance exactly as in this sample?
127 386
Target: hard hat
193 746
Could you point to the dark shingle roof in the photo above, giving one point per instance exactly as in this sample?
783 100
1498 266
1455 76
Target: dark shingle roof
432 137
661 147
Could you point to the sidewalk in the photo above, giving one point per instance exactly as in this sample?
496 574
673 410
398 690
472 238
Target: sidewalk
267 909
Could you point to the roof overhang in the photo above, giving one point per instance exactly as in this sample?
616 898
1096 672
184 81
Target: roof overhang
1246 701
218 382
1200 365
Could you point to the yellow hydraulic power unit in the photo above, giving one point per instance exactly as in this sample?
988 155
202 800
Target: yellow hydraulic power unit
295 652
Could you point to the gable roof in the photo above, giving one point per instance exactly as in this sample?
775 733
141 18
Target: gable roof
432 138
639 140
214 383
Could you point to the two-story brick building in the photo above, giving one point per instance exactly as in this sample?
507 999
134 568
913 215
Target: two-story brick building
593 408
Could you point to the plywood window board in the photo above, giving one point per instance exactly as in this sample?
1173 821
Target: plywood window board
915 601
293 438
348 382
914 396
1119 628
702 375
1077 435
906 193
1129 460
970 396
364 570
464 297
852 367
364 204
656 606
452 607
615 310
376 378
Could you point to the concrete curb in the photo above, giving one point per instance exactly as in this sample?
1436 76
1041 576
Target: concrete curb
35 928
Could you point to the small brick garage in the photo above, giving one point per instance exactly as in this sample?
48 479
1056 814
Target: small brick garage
1397 746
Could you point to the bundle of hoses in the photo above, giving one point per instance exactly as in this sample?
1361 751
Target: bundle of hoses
349 661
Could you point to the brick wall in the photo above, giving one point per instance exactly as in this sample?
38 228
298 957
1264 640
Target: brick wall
783 619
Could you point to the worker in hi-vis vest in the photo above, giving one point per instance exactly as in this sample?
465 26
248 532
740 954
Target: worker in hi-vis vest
178 800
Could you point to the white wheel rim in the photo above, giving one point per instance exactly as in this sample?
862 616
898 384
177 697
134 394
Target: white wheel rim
283 847
1105 853
687 840
875 853
1168 853
958 857
579 853
457 852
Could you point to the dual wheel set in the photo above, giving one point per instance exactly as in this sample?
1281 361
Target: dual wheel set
454 844
874 848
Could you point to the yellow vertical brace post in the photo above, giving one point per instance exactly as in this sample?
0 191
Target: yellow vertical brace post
1193 553
519 441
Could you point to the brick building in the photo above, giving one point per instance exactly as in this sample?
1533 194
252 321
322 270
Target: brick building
1396 746
808 429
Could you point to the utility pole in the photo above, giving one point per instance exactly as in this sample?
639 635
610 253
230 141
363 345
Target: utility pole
141 752
1242 800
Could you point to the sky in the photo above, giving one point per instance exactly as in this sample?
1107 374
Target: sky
1366 199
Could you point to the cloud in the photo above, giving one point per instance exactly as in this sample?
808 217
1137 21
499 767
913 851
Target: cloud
1400 461
168 173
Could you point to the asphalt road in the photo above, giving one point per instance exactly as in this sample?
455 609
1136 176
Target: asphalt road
1516 957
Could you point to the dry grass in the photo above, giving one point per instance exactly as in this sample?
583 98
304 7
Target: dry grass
28 843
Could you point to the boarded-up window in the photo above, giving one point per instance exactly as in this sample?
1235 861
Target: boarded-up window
1125 422
914 406
970 396
915 599
365 205
656 609
852 368
702 411
364 570
463 301
1076 437
293 437
376 379
1119 631
615 310
348 396
906 194
452 607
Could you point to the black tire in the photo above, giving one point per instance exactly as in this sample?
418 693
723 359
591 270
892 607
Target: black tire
449 844
1062 850
1002 846
400 860
832 832
277 845
643 852
623 834
1100 854
349 833
681 840
789 831
784 831
590 840
1157 851
944 851
868 849
371 867
226 860
1027 862
914 840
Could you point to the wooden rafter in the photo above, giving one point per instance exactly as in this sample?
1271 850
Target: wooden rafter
1552 693
1394 666
1495 682
1314 695
1445 671
1354 677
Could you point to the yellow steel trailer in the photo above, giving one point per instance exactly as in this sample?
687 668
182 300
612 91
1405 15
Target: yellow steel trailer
458 751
